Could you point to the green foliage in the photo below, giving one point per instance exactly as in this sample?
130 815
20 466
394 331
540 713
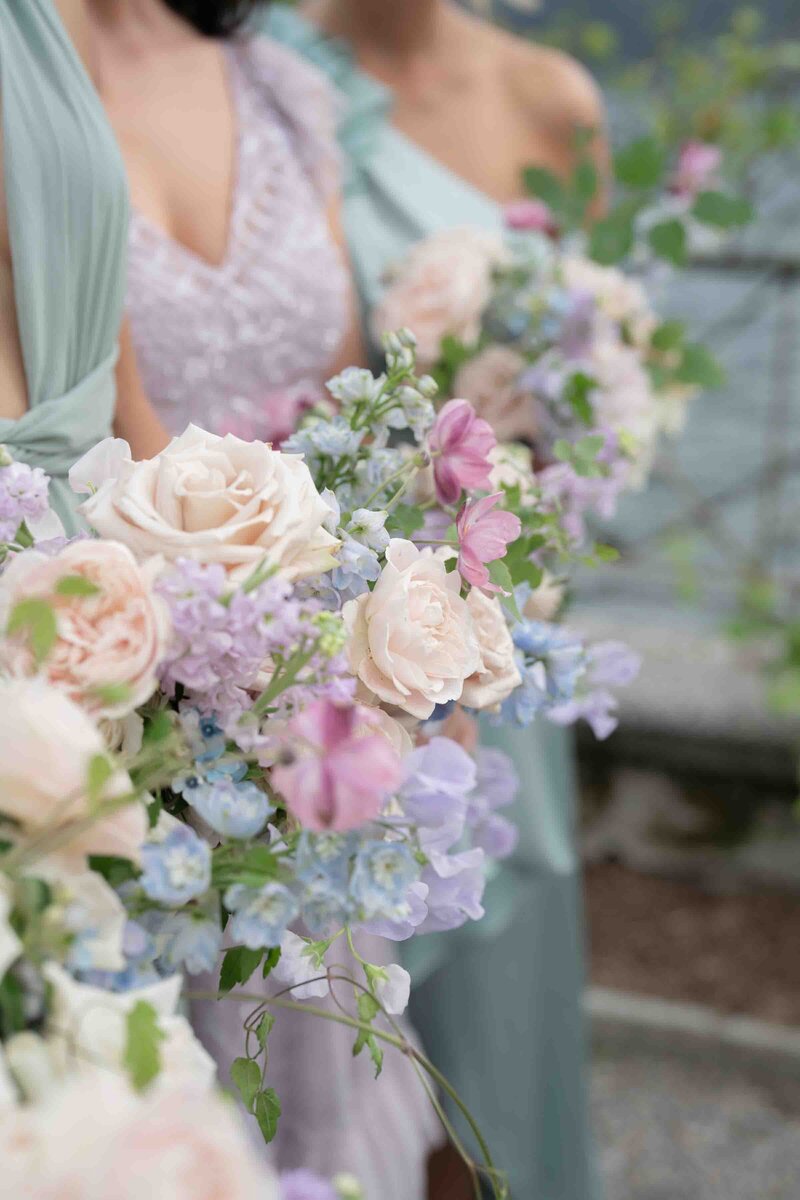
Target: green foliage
699 367
12 1006
577 394
641 165
668 336
98 774
76 585
546 186
264 1028
267 1110
143 1037
115 871
368 1009
722 211
35 619
246 1078
238 965
405 520
668 240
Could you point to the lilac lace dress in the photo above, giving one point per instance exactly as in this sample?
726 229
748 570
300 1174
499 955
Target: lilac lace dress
237 348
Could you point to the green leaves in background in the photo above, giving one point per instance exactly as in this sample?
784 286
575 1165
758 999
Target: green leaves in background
35 619
723 211
641 164
238 965
668 240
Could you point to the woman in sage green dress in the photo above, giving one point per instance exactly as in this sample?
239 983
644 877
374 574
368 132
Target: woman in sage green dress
63 231
498 1004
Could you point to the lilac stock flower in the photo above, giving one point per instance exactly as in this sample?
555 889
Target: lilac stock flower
610 664
177 869
382 874
598 708
455 888
305 1185
496 787
233 809
23 497
260 915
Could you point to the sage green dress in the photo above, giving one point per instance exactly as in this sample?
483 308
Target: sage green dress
67 207
497 1003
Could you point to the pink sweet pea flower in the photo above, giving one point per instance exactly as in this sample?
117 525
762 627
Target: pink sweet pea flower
531 215
483 536
460 444
343 769
698 165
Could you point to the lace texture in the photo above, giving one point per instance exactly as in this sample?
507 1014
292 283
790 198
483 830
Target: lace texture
242 346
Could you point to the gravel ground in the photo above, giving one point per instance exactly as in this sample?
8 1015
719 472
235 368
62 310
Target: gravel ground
679 1128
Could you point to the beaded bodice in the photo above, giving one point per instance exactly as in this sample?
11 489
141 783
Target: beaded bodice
240 346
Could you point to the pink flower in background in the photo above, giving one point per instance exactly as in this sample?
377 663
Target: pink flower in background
461 444
697 169
274 420
483 536
531 215
340 776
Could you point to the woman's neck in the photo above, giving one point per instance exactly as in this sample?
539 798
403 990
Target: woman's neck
393 29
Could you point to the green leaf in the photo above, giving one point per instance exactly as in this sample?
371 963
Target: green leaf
271 961
368 1007
264 1028
546 186
115 871
100 771
238 965
142 1056
37 620
784 692
668 336
501 577
246 1077
76 585
668 240
605 553
641 164
157 728
577 392
700 367
611 238
12 1005
722 211
406 519
112 694
268 1111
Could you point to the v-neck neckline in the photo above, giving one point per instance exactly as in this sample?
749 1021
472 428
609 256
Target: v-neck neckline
160 234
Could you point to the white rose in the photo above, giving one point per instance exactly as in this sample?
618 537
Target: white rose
87 1029
411 640
442 288
10 945
46 746
498 675
218 500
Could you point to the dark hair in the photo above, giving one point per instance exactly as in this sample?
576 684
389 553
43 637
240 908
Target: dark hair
214 18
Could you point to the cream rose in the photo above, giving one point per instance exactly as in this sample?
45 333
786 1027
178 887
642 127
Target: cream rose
46 746
217 500
490 381
116 636
442 288
545 600
92 1137
87 1029
411 641
498 675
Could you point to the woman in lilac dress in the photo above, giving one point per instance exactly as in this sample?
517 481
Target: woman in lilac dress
240 305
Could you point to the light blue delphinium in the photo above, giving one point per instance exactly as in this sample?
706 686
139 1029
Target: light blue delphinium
355 386
358 566
551 661
381 878
190 941
260 915
233 809
324 907
177 869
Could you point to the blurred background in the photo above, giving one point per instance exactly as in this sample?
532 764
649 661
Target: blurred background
691 837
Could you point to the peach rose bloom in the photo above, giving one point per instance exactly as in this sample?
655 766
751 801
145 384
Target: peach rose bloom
442 288
94 1138
118 635
618 297
490 381
217 500
412 642
46 745
498 675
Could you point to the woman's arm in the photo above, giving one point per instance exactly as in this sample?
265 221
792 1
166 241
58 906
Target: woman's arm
135 419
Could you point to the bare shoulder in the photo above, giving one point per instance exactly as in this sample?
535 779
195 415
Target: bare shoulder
554 86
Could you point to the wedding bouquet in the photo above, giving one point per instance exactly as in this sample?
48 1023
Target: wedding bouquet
234 733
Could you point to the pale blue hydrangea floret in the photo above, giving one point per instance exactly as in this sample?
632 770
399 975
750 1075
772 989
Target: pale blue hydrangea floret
381 876
177 869
190 941
260 915
232 809
551 661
